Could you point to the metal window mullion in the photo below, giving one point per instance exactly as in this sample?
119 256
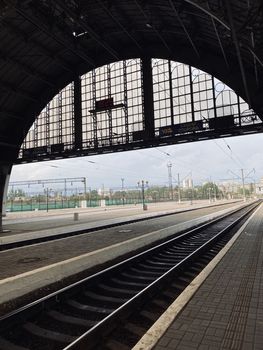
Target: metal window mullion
109 111
191 93
77 113
239 111
147 90
125 87
214 96
47 124
94 115
60 119
73 112
72 118
142 89
36 131
171 92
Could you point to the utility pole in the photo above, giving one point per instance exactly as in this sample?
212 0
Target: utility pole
243 180
170 179
214 187
102 191
47 200
122 189
191 185
85 188
179 189
65 188
142 185
192 195
243 184
209 194
48 190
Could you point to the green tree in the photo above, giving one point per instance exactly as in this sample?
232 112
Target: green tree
212 189
16 193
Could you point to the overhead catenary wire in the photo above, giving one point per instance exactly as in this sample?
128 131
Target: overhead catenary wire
233 153
228 155
189 168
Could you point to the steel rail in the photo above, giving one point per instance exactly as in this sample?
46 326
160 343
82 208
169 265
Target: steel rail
37 240
105 324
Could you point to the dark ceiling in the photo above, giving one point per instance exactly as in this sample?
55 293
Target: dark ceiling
45 44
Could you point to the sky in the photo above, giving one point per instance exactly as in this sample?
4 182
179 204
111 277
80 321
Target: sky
214 160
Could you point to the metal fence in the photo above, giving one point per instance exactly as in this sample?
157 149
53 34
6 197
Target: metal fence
35 205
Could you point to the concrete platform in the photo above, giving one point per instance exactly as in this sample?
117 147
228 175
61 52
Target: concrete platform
223 306
26 269
25 226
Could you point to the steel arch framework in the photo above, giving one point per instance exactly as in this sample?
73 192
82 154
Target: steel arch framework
48 44
45 45
136 103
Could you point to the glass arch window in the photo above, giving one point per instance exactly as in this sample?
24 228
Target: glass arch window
184 100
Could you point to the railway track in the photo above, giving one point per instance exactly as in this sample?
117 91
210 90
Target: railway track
99 226
81 315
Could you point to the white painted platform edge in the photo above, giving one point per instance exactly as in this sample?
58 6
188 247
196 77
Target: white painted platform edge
19 285
154 334
92 225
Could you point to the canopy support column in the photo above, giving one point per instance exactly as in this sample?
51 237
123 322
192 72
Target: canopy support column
5 170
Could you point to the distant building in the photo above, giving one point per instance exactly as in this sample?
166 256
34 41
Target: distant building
259 187
104 192
230 186
188 183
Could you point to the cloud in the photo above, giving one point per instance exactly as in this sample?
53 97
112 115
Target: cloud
205 159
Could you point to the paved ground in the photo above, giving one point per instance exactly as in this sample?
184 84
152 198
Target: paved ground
20 260
40 220
227 310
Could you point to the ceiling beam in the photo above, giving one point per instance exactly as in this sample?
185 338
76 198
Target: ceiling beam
184 28
218 38
9 115
226 26
119 24
88 29
9 145
42 27
152 26
220 42
17 91
238 52
260 61
209 13
36 44
254 59
26 69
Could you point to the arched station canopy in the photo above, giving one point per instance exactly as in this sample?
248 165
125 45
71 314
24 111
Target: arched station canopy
136 103
47 44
